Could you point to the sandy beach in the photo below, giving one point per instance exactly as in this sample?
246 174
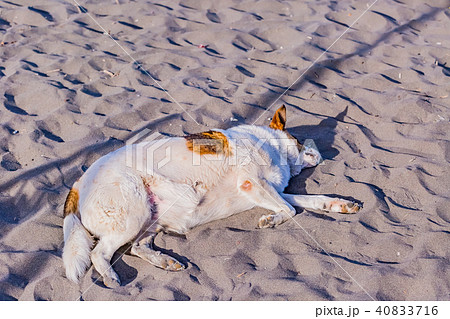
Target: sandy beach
369 84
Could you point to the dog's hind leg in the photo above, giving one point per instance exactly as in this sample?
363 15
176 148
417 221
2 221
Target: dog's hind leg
144 249
101 256
262 194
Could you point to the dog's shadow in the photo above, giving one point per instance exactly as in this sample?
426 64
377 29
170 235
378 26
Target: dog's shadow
323 136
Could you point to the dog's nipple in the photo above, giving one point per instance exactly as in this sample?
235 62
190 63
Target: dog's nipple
246 186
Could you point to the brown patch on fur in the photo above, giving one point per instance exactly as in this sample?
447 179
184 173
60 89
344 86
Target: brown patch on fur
71 204
210 142
279 123
246 186
279 119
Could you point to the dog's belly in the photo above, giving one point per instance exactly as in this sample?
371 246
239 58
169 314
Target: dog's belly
194 207
180 220
223 207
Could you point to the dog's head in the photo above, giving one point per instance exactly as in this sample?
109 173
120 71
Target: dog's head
306 155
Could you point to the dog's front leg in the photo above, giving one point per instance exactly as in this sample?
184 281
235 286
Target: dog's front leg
264 195
324 203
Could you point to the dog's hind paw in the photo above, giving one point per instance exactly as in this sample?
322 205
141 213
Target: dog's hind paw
171 264
342 206
111 282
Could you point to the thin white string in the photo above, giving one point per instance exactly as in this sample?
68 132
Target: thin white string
315 241
134 61
267 109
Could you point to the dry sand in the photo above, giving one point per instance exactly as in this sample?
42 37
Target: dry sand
377 106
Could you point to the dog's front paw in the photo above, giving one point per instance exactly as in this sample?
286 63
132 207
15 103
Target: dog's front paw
342 206
267 221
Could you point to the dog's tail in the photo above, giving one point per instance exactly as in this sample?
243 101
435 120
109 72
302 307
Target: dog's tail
77 240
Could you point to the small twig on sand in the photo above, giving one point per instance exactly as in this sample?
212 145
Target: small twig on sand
112 75
55 70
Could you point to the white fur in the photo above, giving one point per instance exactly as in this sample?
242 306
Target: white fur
189 190
77 247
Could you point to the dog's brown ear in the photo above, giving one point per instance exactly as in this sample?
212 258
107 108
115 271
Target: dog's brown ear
279 119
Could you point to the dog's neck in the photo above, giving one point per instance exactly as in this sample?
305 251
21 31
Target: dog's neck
275 142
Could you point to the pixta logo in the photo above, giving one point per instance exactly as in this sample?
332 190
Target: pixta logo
147 151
